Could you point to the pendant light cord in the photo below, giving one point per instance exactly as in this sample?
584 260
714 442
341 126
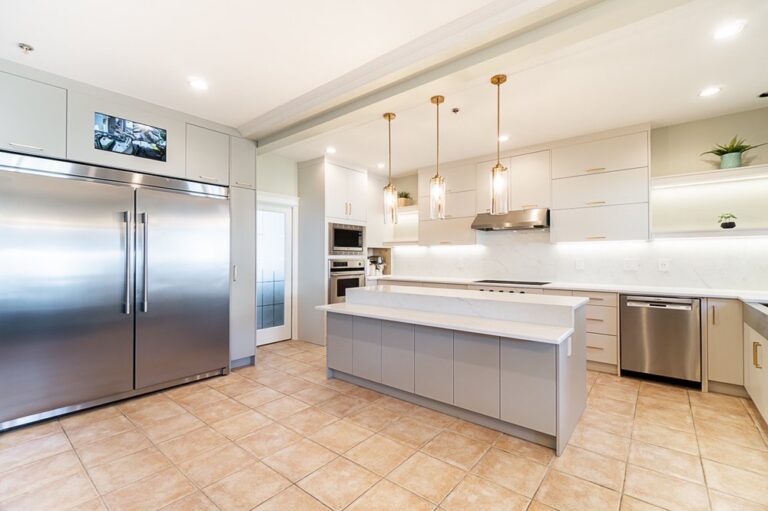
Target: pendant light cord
389 147
498 123
437 155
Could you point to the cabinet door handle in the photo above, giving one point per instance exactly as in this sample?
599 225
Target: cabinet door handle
209 178
234 273
595 203
596 299
596 319
595 347
595 237
26 146
350 208
713 315
128 266
595 169
244 184
755 346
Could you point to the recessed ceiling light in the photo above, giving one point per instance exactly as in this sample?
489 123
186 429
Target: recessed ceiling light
330 150
197 83
709 91
26 48
729 29
380 165
504 138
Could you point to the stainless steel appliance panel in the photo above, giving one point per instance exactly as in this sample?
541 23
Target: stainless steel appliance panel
345 239
661 336
66 321
344 274
182 285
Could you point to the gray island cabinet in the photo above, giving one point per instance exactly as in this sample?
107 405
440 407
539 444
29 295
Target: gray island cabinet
531 385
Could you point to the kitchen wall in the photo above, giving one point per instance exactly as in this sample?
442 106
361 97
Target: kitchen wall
730 263
677 149
275 174
408 184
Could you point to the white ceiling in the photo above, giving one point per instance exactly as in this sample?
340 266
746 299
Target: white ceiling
255 55
649 71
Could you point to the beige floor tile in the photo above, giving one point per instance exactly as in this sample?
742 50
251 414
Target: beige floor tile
300 459
474 431
215 465
282 407
113 448
219 410
664 491
28 433
511 471
172 427
478 494
84 417
185 390
238 388
387 496
663 436
608 422
632 504
367 395
659 403
456 449
615 392
292 499
200 398
246 488
64 493
374 417
258 397
715 401
221 380
734 455
338 483
91 505
237 426
735 481
675 419
538 506
729 432
154 411
432 418
137 403
608 405
268 440
308 421
529 450
666 461
33 450
410 432
723 502
427 477
705 413
396 405
315 394
612 379
192 444
91 432
669 392
129 469
592 467
194 502
30 477
601 442
379 454
290 384
567 493
342 405
152 492
341 436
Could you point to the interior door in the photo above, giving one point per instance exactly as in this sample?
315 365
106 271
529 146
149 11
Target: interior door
66 324
182 286
274 256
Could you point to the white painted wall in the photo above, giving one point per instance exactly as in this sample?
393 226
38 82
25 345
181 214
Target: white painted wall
276 174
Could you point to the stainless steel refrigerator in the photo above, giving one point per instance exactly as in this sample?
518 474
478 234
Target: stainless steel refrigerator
112 284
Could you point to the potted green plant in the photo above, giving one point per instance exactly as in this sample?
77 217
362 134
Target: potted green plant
404 199
730 153
726 220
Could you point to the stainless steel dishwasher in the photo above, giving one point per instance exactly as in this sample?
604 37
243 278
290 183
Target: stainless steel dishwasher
661 336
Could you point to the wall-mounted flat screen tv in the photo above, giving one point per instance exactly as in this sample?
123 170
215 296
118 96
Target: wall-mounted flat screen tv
118 135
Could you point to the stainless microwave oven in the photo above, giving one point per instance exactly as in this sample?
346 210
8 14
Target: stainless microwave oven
345 239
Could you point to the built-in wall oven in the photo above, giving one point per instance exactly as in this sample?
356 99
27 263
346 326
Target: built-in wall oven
345 239
344 274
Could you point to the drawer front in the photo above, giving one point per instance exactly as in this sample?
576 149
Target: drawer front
602 348
625 222
560 292
616 153
409 283
601 320
605 189
595 298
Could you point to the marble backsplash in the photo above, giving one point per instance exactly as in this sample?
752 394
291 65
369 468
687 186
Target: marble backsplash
725 263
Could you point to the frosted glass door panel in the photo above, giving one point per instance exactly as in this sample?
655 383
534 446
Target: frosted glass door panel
273 282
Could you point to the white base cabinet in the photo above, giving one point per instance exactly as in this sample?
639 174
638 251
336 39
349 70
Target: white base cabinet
755 371
725 362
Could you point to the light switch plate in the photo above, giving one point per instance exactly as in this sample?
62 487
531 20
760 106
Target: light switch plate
664 264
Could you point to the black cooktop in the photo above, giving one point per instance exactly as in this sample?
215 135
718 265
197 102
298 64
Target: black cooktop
520 282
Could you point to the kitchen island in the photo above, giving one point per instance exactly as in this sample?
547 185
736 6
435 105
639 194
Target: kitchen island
515 363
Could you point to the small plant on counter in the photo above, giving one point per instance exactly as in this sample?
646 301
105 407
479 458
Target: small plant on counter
730 153
404 199
726 220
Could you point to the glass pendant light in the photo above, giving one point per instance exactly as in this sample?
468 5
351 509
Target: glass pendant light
437 183
390 192
499 173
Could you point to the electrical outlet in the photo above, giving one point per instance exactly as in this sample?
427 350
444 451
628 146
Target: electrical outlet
631 265
579 264
664 264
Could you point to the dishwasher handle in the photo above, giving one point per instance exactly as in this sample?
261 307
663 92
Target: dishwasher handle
652 302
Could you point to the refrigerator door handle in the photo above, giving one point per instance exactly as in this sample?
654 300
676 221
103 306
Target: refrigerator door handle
145 269
128 252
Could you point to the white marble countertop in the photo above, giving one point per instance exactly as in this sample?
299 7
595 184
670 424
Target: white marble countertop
508 329
749 296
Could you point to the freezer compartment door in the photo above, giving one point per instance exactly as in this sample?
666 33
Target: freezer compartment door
66 321
182 286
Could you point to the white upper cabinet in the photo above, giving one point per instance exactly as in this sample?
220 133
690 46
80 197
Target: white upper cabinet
529 181
345 193
207 155
624 222
451 231
457 179
242 162
602 189
33 117
483 184
615 153
457 205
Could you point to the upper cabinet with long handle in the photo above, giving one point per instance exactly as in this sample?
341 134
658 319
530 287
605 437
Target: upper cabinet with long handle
529 181
242 163
606 155
345 193
34 117
207 155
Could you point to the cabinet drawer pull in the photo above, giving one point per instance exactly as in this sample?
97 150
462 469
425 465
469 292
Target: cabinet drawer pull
755 346
597 299
596 319
595 203
26 146
243 184
713 315
595 237
209 178
595 169
595 347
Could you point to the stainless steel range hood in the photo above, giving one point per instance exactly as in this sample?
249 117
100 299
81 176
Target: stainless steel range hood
519 220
